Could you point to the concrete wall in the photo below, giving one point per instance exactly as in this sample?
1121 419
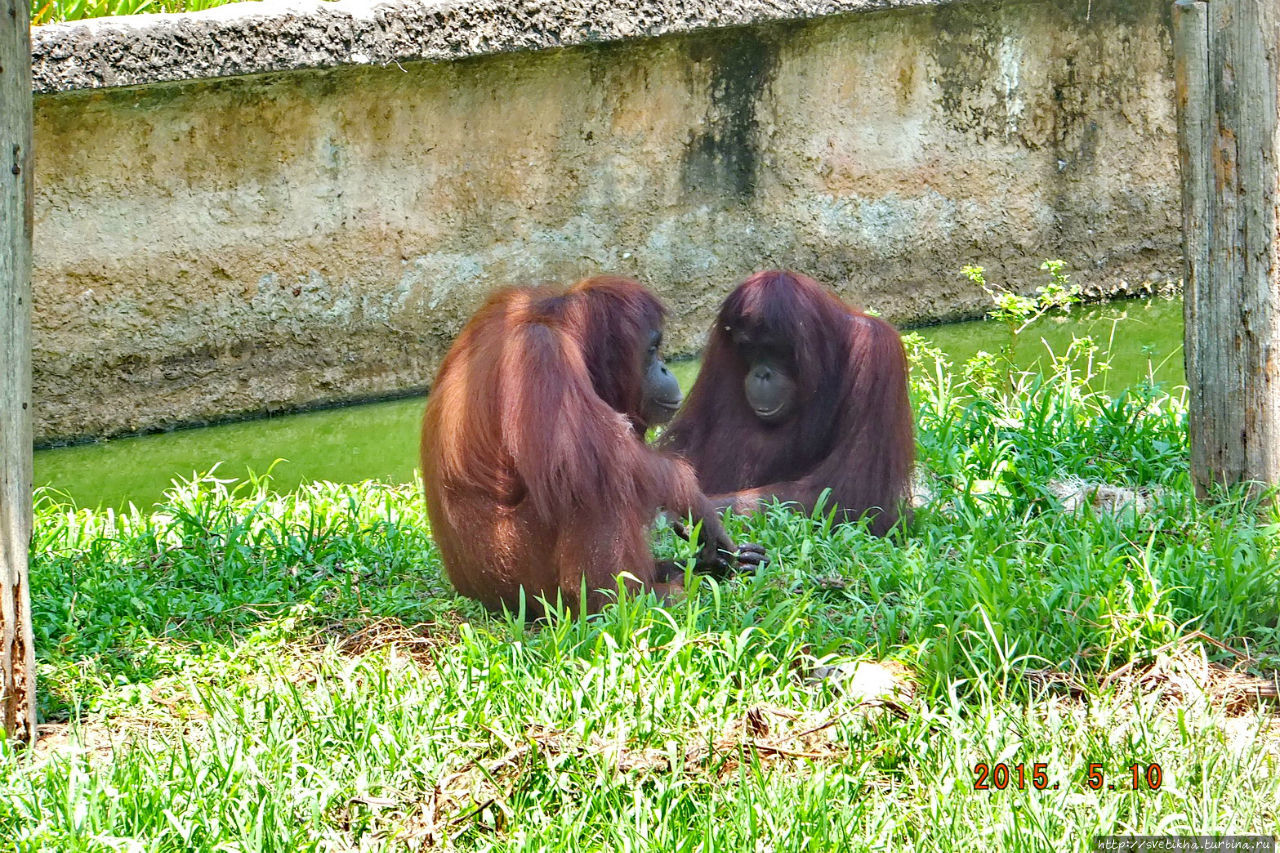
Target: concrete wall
228 245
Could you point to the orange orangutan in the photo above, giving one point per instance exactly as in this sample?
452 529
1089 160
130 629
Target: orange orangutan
533 456
800 393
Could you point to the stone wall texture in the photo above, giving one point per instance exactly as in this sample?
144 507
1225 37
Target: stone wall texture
311 220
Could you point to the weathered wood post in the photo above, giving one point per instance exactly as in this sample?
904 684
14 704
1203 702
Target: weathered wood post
1227 69
17 651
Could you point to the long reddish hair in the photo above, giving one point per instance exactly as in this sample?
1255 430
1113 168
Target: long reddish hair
853 433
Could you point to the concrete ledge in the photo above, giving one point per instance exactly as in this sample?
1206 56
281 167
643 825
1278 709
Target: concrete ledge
315 220
285 35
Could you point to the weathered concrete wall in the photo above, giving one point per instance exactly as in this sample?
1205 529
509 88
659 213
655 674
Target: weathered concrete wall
212 248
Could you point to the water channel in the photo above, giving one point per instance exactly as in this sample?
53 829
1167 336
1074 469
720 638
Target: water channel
379 440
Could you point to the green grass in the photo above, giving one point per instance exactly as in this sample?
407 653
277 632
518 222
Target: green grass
52 11
248 671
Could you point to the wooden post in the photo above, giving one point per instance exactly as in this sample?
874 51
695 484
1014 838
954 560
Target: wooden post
17 650
1227 72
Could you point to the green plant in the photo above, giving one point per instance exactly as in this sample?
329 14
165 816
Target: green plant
247 670
52 11
1017 312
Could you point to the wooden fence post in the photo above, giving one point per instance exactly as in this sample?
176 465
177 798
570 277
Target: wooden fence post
1227 72
17 650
